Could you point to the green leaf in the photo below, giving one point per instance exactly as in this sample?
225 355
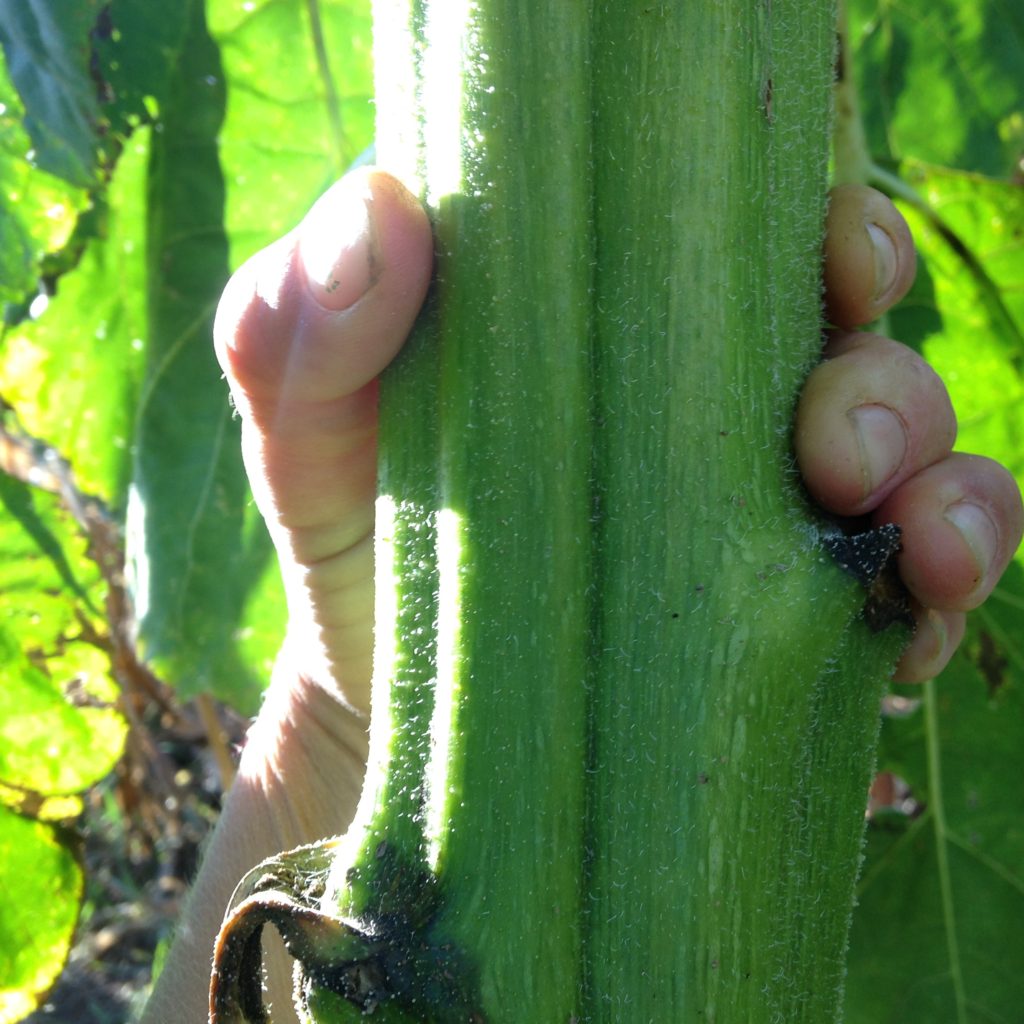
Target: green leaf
48 589
300 89
127 49
47 49
41 881
37 210
48 745
937 933
48 585
74 374
136 48
940 80
59 733
197 546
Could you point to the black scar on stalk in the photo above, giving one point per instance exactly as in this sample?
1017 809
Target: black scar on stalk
870 558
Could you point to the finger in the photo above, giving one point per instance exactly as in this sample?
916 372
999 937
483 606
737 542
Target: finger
321 312
935 640
870 416
301 332
869 256
962 520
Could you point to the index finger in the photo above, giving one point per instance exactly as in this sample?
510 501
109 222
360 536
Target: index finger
869 256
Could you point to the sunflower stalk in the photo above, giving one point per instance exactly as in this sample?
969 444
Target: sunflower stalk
625 695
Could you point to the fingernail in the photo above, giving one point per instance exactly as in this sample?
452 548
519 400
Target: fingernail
885 259
882 442
978 531
336 245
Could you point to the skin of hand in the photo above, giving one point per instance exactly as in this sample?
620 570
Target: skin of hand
302 332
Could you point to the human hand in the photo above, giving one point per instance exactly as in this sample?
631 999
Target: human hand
874 436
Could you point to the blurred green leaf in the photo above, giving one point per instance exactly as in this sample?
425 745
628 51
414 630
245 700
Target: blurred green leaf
48 585
940 80
37 210
41 881
196 545
47 47
136 47
53 809
939 929
74 374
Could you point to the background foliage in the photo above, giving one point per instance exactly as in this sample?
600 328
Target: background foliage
145 150
939 929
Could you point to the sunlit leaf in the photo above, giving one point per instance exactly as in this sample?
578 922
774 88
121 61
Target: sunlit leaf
37 210
54 809
48 745
49 588
299 107
59 733
89 342
36 928
47 582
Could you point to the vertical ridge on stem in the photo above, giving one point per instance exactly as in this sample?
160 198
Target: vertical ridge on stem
505 167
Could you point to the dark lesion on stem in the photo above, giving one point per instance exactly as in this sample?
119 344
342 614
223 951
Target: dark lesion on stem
870 557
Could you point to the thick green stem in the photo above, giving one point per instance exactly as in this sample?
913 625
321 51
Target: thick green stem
722 635
625 701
